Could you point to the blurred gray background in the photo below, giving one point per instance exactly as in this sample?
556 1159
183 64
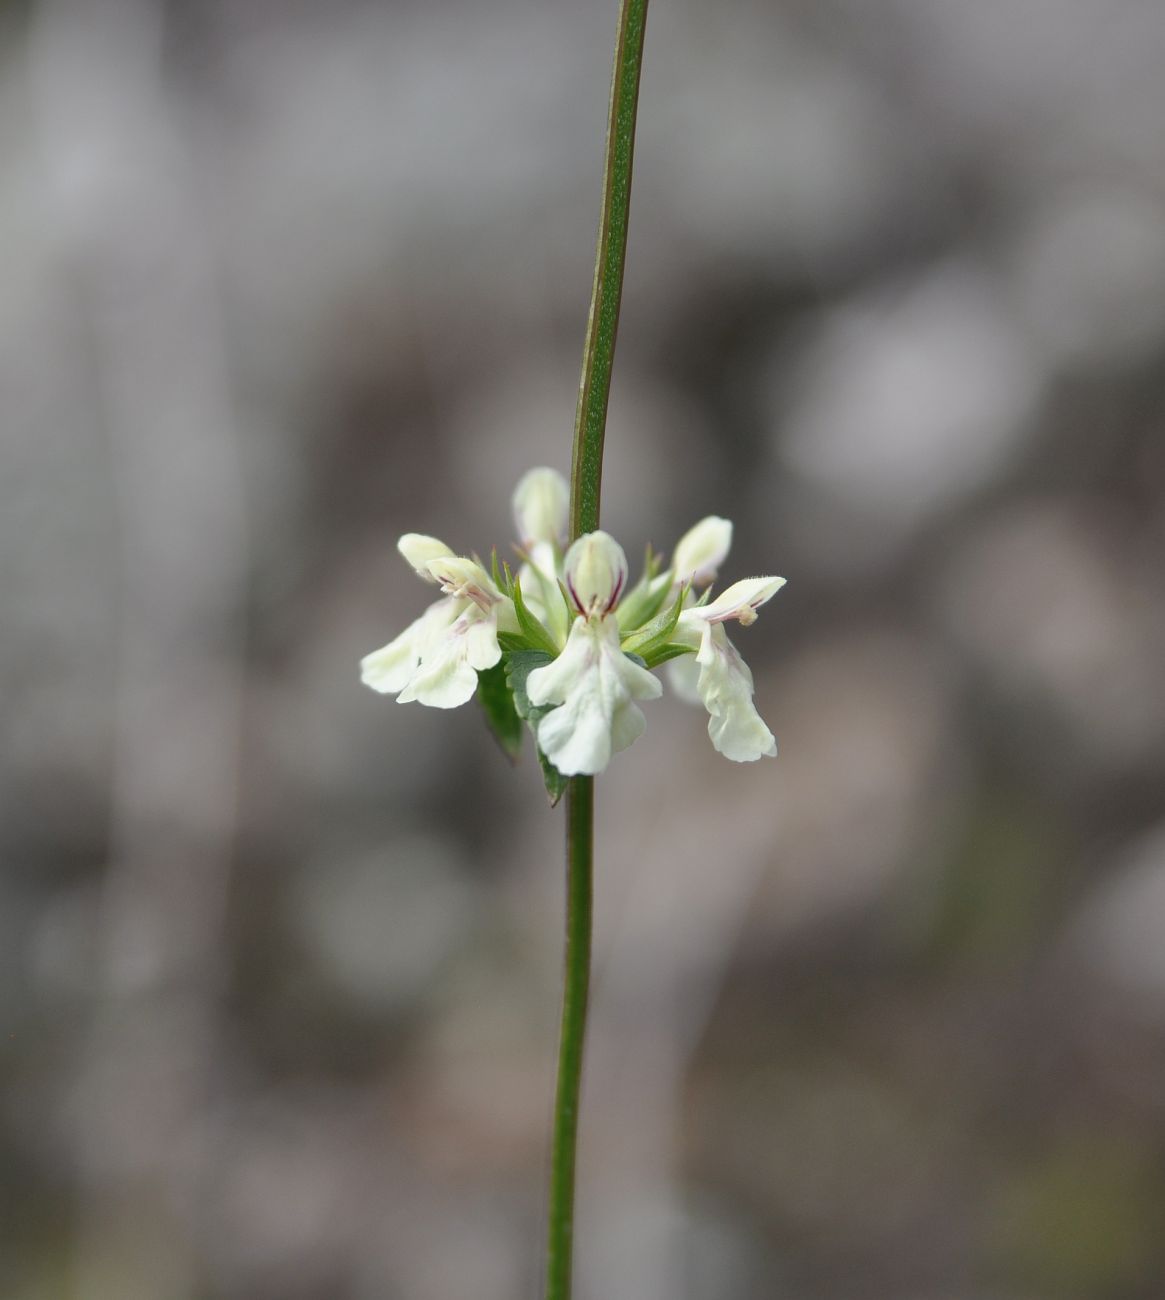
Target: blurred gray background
881 1020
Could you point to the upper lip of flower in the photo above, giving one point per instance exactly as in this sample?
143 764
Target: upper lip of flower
595 572
740 601
612 600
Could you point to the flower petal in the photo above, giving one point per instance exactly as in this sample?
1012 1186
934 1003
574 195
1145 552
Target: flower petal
541 503
436 659
481 641
596 572
576 737
701 551
539 581
741 601
594 684
725 685
388 669
552 683
420 550
683 674
636 680
627 725
444 681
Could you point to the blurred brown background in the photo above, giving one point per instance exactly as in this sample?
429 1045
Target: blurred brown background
881 1020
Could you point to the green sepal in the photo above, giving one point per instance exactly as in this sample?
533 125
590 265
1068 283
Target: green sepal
500 582
659 630
535 634
497 704
643 602
519 664
661 654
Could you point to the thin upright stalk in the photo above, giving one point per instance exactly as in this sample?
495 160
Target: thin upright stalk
590 424
586 478
579 857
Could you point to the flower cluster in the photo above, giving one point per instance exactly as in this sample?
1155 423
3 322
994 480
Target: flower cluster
567 646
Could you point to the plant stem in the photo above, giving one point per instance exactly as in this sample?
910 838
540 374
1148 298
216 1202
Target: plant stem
586 477
579 856
590 423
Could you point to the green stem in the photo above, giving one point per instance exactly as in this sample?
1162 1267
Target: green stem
579 856
586 478
586 466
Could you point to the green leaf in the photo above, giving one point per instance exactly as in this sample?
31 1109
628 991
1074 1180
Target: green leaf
497 703
519 665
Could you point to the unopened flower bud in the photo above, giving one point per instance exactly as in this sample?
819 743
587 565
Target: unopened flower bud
701 551
541 502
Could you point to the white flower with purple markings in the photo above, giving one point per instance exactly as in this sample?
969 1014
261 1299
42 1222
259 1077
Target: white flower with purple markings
568 646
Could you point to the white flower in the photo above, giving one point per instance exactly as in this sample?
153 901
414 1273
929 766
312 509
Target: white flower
436 659
723 682
698 554
593 683
541 504
580 608
701 551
